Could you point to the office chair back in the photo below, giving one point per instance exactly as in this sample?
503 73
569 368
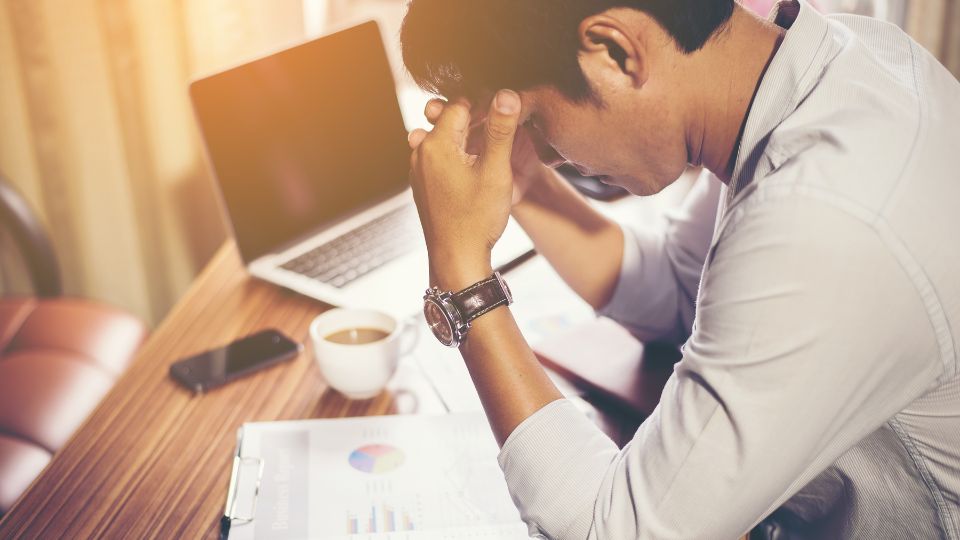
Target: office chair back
31 239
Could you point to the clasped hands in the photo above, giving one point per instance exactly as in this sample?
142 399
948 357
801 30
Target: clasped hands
463 184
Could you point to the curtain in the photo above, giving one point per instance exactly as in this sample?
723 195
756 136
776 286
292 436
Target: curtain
935 24
97 132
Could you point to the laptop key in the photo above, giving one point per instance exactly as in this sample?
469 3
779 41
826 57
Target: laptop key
356 254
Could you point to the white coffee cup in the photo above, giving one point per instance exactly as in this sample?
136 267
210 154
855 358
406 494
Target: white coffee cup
360 371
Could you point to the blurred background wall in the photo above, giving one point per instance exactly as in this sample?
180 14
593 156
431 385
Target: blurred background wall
96 128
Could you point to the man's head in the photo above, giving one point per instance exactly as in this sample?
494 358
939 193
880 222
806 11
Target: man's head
598 78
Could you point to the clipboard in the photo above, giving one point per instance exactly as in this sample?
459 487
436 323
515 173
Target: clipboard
372 478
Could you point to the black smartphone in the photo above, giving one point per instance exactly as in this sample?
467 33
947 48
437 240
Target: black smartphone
215 368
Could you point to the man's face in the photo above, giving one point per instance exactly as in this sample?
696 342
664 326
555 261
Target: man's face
626 141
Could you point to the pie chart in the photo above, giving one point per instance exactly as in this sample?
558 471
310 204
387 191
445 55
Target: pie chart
376 458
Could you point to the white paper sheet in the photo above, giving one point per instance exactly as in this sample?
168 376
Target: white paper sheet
378 478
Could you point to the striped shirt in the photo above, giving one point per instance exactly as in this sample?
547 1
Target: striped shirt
818 300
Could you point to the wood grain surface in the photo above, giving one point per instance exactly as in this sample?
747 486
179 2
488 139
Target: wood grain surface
153 460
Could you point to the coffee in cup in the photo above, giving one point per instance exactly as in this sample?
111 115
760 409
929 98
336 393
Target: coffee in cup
357 336
357 350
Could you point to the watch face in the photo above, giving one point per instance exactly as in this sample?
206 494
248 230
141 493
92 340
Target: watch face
438 322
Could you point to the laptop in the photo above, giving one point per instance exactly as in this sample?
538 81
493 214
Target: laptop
309 150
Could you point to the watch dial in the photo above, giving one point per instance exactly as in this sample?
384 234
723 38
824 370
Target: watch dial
437 320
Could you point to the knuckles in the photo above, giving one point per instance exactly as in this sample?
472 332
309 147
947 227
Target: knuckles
428 147
431 152
428 156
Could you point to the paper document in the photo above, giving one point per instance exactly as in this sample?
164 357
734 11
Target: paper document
376 478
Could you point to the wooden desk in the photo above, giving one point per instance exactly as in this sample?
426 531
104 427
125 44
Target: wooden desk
153 459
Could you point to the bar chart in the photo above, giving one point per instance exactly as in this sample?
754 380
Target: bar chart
380 519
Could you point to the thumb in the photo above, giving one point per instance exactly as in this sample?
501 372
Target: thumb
501 128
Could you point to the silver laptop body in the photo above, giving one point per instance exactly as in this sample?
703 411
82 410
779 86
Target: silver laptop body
308 147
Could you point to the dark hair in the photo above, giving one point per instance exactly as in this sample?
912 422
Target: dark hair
460 47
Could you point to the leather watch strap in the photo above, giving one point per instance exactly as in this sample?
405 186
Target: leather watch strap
481 298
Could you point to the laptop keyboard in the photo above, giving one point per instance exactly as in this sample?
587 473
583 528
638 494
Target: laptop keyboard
361 251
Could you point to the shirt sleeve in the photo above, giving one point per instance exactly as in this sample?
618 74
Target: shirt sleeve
809 336
660 270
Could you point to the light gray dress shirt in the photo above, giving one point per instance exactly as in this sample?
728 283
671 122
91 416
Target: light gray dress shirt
819 390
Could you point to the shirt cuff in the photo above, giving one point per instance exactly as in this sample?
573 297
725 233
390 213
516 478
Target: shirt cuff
554 463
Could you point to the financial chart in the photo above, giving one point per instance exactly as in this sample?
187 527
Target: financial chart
413 479
380 478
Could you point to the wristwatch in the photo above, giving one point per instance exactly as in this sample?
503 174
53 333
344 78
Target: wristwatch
449 314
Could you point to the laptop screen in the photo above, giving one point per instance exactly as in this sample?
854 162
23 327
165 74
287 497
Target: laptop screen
303 137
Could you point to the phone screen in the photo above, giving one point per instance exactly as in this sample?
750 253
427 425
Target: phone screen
246 355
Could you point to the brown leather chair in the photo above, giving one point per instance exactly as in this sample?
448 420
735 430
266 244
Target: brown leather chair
58 356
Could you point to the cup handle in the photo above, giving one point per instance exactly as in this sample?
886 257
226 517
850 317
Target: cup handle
409 337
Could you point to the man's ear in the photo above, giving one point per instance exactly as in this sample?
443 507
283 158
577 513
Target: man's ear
609 48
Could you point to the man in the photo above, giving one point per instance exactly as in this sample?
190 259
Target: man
813 274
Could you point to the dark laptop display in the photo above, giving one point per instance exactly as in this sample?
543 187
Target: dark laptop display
303 137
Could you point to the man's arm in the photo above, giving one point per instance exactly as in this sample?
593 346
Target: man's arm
563 226
583 246
646 279
464 203
795 358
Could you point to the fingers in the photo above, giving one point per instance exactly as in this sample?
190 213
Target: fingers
502 125
416 137
435 106
433 109
454 122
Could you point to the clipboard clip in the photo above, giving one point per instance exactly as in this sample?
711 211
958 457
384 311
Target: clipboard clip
241 463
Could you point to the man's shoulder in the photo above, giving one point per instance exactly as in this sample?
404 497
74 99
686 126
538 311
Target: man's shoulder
876 113
861 116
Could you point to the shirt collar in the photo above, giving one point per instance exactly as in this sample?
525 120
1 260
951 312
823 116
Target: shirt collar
789 78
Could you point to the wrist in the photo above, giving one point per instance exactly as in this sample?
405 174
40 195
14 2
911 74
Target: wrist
537 187
453 274
534 183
